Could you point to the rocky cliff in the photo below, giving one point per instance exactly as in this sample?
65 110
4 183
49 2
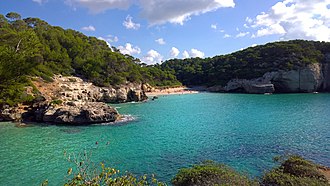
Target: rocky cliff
312 78
71 100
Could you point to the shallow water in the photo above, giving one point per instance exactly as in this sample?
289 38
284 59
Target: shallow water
243 131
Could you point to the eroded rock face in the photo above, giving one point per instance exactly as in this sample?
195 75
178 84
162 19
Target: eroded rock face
78 113
75 89
315 77
70 100
307 79
10 114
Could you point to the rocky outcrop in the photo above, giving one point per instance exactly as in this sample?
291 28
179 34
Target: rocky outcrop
314 77
76 89
70 100
308 79
10 114
254 86
78 113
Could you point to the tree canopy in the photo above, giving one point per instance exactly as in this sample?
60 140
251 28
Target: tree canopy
249 63
32 47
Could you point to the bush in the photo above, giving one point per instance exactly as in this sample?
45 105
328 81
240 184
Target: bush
210 173
295 171
86 173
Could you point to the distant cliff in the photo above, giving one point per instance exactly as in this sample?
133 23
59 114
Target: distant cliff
312 78
288 66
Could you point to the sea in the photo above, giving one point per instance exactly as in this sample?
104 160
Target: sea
159 137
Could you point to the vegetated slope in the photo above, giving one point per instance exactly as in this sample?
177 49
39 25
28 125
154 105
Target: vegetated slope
32 47
249 63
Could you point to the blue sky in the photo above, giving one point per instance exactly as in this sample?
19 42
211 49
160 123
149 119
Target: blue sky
156 30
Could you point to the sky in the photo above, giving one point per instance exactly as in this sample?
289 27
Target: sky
157 30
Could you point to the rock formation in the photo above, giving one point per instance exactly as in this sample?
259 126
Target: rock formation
70 100
314 77
78 113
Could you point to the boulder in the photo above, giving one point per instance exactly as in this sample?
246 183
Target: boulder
81 114
10 114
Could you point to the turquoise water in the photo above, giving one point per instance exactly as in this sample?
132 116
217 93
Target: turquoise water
243 131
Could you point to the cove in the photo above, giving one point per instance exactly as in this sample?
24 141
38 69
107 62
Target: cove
241 130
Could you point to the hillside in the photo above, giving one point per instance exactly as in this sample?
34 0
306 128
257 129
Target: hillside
31 47
249 63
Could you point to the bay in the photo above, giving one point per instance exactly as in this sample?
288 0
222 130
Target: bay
240 130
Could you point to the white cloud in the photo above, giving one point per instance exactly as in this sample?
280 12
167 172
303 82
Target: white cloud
214 26
98 6
129 24
174 52
152 57
39 1
129 49
158 11
109 39
193 53
160 41
185 54
242 34
179 11
196 53
89 28
112 39
295 19
227 36
254 45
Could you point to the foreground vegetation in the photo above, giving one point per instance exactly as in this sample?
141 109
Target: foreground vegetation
292 171
32 47
249 63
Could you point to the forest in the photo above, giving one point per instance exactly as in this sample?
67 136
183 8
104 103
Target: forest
249 63
31 47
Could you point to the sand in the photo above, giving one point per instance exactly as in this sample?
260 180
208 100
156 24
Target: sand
171 91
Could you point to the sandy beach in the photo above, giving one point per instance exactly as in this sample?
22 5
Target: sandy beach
171 91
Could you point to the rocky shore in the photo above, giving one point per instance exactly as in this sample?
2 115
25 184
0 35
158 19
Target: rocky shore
312 78
71 100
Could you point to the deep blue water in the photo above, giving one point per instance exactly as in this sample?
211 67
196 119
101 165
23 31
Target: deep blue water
243 131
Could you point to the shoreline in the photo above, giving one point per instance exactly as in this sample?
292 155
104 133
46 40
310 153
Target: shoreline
172 91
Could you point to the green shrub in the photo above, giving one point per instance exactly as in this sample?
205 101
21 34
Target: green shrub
86 173
56 102
210 173
295 171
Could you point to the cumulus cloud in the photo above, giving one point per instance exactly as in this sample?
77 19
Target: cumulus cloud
174 52
185 54
98 6
193 53
295 19
89 28
152 57
179 11
158 11
160 41
129 24
129 49
242 34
